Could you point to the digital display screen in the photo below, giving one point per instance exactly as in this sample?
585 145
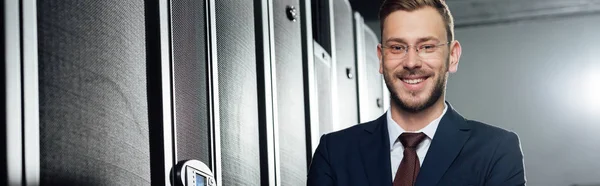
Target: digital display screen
200 180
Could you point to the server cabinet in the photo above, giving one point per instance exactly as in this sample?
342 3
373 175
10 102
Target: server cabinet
289 86
93 117
347 99
181 66
237 92
310 94
324 67
374 78
92 77
370 83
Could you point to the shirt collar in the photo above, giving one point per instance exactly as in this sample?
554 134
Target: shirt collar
395 130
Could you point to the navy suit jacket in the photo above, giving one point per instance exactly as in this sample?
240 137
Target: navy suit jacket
462 152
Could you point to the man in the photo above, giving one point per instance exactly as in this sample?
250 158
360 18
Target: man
421 140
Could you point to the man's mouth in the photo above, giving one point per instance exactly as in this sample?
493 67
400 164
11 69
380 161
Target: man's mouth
413 81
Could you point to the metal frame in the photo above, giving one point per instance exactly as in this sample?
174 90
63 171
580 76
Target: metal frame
22 93
173 103
31 111
312 109
273 62
334 90
268 107
368 32
14 119
360 66
273 128
166 89
213 92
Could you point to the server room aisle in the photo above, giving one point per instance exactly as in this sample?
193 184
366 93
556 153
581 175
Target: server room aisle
179 92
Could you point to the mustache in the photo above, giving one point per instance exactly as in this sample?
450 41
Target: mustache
412 72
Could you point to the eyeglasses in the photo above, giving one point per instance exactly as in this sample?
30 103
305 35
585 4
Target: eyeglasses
425 51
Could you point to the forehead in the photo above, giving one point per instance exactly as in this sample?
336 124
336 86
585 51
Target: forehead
411 26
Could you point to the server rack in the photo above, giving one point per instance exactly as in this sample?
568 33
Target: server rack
347 97
322 84
289 105
370 83
143 79
191 85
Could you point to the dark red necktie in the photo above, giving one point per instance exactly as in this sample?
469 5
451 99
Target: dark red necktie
409 166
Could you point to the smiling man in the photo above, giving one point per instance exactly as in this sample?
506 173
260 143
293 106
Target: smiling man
421 140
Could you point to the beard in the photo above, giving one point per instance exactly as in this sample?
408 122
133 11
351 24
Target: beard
435 94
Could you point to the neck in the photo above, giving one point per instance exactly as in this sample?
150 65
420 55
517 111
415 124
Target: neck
414 121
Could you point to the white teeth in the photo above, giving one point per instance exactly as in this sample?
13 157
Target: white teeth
413 81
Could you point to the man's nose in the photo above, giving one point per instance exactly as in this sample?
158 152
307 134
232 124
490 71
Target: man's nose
412 59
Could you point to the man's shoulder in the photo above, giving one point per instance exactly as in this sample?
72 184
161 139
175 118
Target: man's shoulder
489 132
352 133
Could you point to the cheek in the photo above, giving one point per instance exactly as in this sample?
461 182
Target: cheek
390 71
438 66
390 66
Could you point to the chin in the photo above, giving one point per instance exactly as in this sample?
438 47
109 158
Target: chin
415 102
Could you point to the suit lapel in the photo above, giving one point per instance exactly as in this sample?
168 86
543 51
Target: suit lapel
375 152
451 135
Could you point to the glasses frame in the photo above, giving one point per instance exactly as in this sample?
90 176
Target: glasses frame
412 46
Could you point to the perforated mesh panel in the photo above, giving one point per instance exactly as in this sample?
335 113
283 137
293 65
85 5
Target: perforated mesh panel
344 42
238 105
93 103
290 95
189 69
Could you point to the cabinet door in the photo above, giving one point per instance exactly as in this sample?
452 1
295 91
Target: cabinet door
92 93
370 82
189 43
290 92
237 84
374 102
323 85
347 98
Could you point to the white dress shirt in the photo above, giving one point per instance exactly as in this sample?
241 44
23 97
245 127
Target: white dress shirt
396 148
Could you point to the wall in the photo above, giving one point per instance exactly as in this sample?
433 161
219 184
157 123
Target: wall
541 79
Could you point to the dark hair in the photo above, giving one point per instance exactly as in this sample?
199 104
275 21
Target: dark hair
390 6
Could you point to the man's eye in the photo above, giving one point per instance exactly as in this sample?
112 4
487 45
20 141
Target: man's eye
398 47
427 47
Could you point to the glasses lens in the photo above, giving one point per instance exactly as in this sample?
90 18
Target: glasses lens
394 52
430 51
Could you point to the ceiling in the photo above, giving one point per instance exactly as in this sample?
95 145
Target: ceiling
482 12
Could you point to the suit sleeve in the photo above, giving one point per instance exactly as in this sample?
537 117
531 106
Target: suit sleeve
508 168
319 173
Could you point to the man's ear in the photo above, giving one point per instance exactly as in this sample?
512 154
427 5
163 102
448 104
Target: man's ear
379 50
455 51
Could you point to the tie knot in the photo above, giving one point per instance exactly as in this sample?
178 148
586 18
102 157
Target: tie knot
411 140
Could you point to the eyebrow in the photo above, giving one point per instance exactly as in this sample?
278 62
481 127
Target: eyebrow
420 40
